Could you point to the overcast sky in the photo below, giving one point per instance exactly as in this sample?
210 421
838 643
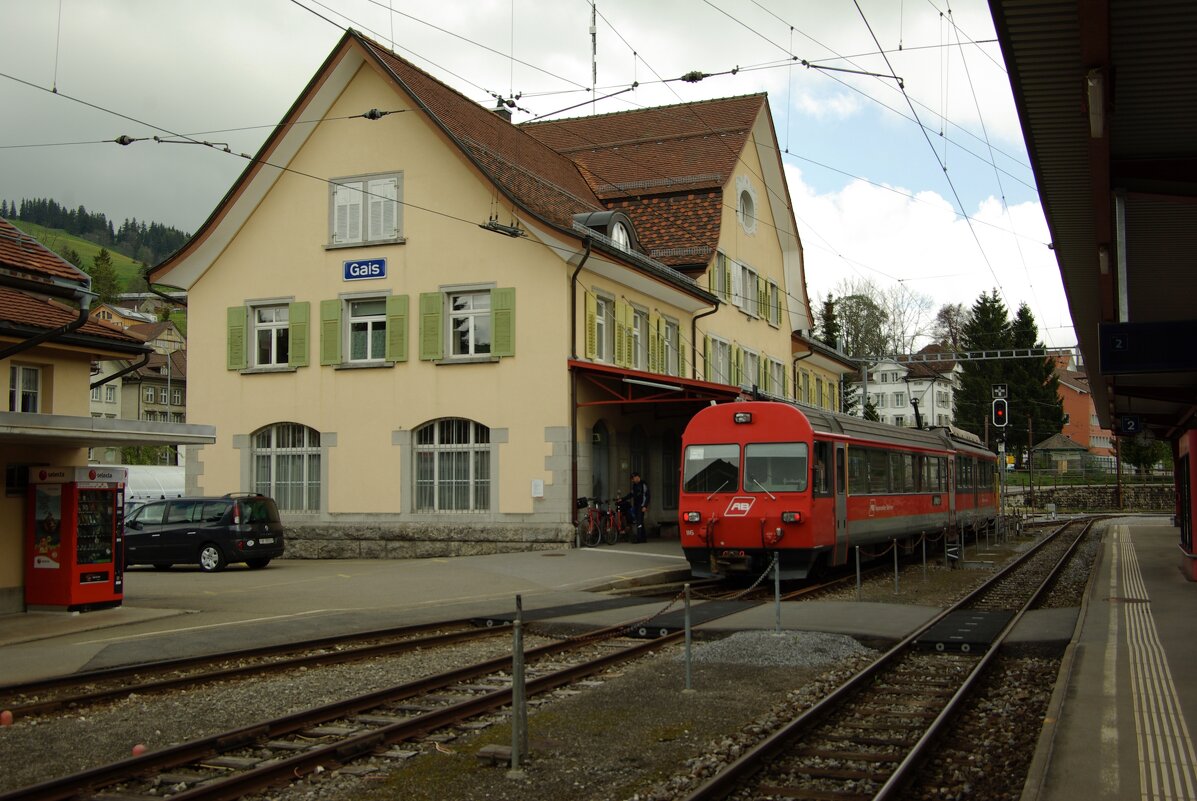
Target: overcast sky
876 196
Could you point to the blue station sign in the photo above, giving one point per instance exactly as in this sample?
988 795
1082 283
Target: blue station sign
363 269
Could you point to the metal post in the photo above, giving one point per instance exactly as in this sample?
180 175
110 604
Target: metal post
858 572
924 557
777 592
519 719
895 567
689 664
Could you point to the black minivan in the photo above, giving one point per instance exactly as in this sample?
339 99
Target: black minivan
210 532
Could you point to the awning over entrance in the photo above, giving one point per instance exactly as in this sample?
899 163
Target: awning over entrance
621 386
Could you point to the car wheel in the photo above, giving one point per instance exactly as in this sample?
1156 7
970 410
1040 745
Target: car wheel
210 558
257 564
162 565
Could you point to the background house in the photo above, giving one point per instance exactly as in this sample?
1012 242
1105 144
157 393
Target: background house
894 388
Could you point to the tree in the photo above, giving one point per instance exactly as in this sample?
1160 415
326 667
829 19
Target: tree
988 329
850 399
870 411
948 327
1143 453
71 255
830 329
104 280
863 322
1033 385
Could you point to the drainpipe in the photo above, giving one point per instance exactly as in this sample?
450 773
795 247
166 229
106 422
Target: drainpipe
84 297
573 380
145 359
694 339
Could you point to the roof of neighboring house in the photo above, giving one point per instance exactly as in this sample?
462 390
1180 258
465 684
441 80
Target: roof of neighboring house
23 314
151 331
932 369
1078 382
19 251
666 167
1059 442
156 367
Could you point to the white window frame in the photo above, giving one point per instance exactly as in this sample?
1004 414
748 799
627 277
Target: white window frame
163 396
639 339
899 420
24 388
148 394
721 363
95 394
286 459
899 399
750 368
673 342
176 397
278 330
604 329
374 326
109 393
365 209
468 452
746 297
777 377
475 320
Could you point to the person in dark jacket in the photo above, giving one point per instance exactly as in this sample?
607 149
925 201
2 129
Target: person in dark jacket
638 499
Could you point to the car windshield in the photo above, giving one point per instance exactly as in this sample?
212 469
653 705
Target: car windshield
712 468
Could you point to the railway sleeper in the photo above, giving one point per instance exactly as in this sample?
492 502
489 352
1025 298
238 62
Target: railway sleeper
842 773
851 756
807 794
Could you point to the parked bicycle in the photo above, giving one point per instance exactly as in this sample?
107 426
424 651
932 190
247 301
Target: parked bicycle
591 522
617 519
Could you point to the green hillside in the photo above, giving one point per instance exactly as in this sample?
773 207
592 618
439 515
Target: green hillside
56 238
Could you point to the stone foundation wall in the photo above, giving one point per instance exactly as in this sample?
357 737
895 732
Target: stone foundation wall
1102 498
418 541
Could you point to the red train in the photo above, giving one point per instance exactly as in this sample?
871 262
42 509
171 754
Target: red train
764 477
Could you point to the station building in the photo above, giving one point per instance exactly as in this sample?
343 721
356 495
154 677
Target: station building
425 330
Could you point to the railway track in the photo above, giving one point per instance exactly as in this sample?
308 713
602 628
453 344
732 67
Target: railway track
867 738
233 763
85 689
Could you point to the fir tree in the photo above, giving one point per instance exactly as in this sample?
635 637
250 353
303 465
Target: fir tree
988 329
104 280
830 330
1034 388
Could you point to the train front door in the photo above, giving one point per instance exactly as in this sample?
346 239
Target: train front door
841 504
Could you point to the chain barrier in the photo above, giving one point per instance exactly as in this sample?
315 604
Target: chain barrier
767 572
878 554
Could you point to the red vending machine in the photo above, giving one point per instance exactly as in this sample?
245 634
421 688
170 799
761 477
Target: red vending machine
74 523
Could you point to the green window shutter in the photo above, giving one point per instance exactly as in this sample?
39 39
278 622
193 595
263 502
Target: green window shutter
330 332
298 315
432 335
502 306
727 284
762 298
738 367
236 356
396 347
591 326
706 357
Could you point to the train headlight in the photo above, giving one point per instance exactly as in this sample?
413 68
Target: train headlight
693 517
791 517
742 417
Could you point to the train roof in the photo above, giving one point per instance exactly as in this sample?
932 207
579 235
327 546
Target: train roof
942 438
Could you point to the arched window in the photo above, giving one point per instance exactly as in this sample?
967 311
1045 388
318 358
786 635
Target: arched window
452 466
286 458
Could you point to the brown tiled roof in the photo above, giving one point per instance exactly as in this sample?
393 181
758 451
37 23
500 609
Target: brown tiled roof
148 331
677 230
931 369
656 150
546 182
19 251
30 311
156 367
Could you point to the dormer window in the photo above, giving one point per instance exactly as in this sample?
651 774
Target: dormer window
620 236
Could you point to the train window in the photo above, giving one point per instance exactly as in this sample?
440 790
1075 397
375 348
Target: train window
712 468
821 484
878 471
775 467
901 468
858 471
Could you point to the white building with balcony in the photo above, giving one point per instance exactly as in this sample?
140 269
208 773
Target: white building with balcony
896 387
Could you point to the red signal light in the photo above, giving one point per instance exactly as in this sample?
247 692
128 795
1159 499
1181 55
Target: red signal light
1000 412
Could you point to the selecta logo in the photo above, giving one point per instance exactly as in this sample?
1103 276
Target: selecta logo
91 475
739 506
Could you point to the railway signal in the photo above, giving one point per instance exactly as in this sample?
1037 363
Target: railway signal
1000 410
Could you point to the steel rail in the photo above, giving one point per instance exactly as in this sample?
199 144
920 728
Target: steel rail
91 780
175 682
729 779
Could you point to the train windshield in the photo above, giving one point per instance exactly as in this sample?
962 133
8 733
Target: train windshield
712 468
775 467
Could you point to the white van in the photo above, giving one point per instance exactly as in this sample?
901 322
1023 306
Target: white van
151 482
